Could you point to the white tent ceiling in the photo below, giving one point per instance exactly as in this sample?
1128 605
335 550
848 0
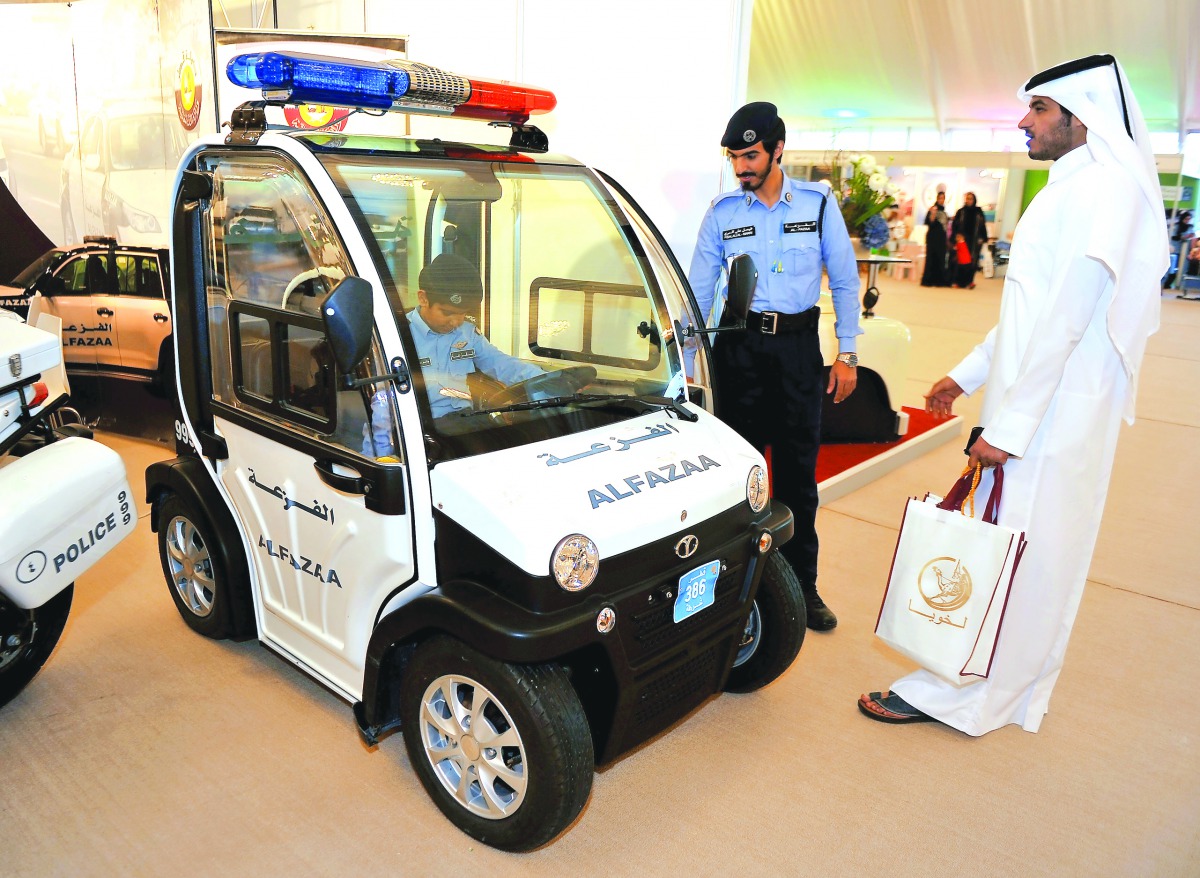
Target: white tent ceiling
947 64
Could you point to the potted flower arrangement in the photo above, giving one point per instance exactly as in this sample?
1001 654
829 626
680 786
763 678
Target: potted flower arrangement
866 191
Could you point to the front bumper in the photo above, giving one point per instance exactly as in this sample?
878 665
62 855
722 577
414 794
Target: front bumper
657 670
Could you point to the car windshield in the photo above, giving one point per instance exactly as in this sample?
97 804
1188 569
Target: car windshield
38 267
571 332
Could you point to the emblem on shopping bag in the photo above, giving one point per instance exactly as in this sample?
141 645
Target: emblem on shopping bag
945 584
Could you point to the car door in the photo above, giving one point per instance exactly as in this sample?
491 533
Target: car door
676 293
330 527
78 295
141 317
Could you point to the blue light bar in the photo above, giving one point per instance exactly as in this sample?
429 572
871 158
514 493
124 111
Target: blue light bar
308 79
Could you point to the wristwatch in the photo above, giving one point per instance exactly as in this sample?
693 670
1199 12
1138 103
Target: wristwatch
850 360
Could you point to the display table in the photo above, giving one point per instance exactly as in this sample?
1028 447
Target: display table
871 296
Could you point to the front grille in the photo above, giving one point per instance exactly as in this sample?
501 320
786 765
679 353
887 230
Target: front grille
653 627
669 696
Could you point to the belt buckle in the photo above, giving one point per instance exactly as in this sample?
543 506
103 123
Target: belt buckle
774 325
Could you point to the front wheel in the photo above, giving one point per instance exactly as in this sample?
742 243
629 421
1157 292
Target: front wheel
27 637
774 630
195 575
504 750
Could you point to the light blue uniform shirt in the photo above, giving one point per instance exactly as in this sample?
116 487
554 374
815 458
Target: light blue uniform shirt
787 252
445 360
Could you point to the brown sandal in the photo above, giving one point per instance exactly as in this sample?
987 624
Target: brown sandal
889 708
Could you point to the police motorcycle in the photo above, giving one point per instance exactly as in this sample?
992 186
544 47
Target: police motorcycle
68 502
527 578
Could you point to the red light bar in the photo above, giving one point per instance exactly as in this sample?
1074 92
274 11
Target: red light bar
509 102
396 84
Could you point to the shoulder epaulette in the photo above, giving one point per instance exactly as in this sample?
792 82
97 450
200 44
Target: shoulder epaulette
821 187
733 193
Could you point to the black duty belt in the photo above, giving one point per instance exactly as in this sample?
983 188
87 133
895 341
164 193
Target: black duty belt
775 322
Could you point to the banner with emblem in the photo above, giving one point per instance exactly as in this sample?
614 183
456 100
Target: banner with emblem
950 580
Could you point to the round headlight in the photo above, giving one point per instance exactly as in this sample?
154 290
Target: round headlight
758 490
575 562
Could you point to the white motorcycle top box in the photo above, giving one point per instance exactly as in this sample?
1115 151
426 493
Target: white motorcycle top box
70 505
25 351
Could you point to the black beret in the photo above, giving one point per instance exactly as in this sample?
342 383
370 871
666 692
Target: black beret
752 123
452 280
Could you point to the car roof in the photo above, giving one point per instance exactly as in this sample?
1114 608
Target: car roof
103 246
324 142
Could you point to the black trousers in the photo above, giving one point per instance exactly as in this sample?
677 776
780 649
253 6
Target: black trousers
769 389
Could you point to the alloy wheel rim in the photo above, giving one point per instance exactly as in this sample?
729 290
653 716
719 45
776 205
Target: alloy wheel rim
191 566
473 746
751 637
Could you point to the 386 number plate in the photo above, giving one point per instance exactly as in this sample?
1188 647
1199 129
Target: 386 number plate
697 590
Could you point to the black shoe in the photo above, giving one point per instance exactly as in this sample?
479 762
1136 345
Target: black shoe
820 617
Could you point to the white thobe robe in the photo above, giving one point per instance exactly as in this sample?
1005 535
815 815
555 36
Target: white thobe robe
1056 391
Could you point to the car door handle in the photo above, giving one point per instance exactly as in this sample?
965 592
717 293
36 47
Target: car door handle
355 484
161 318
104 312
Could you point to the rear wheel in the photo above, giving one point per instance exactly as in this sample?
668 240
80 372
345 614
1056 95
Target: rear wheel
27 637
774 631
195 576
504 750
163 383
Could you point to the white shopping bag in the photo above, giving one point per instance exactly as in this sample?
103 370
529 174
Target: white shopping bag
987 263
949 583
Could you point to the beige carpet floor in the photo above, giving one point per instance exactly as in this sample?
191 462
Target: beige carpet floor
143 749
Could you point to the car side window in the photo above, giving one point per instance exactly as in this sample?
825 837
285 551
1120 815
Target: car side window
137 275
282 366
271 257
85 276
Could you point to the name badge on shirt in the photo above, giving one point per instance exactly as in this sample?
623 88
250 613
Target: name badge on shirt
743 232
425 361
468 354
808 226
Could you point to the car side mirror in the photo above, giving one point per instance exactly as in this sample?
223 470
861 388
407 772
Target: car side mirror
743 278
348 313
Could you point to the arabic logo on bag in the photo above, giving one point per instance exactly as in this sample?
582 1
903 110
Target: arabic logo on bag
944 583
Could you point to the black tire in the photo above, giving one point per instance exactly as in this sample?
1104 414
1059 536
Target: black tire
27 637
774 631
163 384
197 580
517 796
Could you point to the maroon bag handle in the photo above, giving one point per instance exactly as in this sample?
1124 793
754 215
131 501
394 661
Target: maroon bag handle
963 492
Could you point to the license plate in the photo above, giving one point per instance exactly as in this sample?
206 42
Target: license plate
697 590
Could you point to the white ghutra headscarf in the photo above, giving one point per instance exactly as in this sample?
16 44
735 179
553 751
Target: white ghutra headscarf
1132 244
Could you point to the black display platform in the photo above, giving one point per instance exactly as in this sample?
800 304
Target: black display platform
129 408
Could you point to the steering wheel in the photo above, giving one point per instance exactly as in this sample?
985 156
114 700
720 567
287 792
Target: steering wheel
559 382
329 271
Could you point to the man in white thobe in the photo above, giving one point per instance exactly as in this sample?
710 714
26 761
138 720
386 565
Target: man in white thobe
1080 298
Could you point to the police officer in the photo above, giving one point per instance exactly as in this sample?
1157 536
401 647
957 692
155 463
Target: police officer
769 379
449 347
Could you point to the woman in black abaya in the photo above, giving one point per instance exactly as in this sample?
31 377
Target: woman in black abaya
936 221
972 225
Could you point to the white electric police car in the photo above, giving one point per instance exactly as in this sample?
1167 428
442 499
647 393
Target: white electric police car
537 580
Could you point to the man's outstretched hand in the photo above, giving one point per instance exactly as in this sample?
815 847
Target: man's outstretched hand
940 398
